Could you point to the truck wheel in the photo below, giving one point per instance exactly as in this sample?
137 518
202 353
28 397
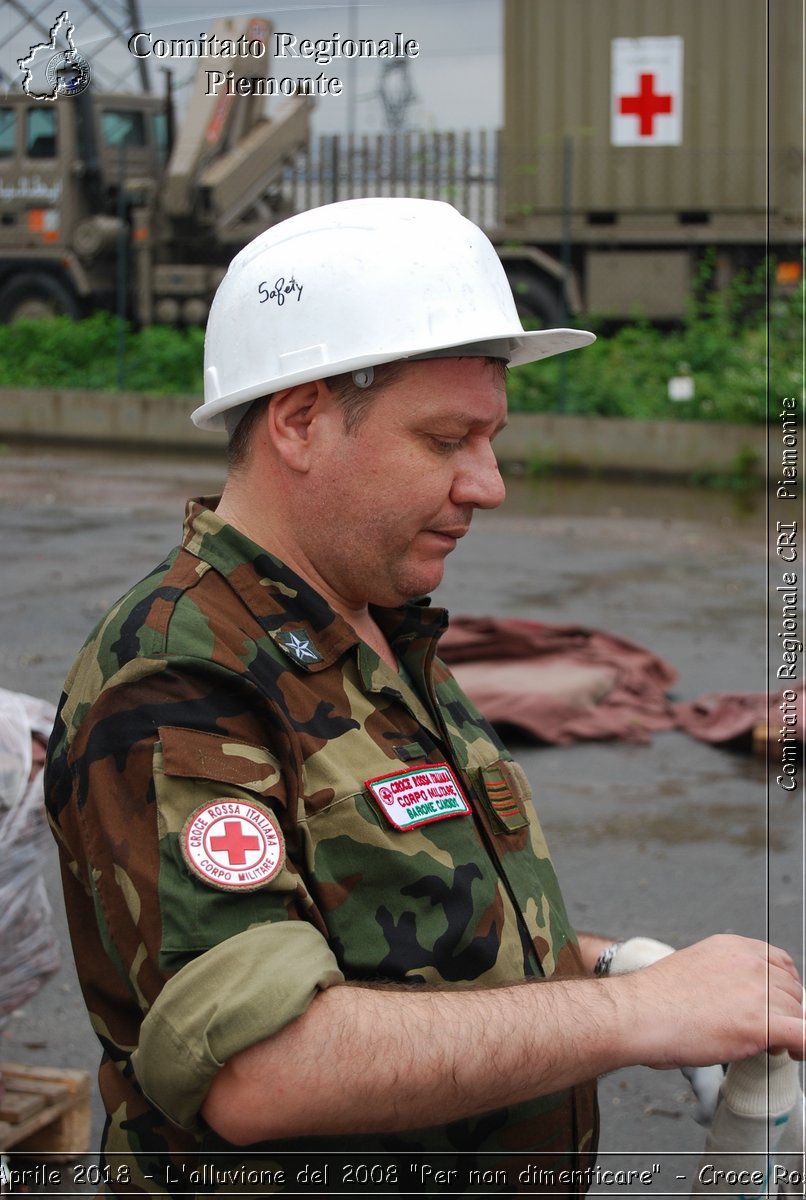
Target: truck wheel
29 297
535 298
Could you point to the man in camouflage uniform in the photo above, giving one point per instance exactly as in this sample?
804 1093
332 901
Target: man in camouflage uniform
304 878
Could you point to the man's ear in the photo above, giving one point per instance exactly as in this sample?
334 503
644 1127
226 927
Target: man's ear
294 416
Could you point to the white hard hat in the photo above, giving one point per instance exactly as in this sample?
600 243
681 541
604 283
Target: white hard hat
356 284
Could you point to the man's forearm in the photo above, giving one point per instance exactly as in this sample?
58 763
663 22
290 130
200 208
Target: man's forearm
379 1059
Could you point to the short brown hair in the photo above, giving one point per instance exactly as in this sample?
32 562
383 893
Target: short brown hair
353 400
238 446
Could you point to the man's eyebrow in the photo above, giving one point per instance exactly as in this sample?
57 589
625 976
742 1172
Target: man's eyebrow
460 417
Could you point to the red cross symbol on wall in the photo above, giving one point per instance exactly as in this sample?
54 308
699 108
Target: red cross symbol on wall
234 843
646 105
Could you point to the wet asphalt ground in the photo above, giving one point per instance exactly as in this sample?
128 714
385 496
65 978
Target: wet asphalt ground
674 839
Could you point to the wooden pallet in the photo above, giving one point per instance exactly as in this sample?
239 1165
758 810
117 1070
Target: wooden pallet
45 1111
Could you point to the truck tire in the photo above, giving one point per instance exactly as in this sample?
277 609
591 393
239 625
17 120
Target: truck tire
536 298
34 295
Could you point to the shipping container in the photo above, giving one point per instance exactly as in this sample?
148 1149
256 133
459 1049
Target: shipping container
638 133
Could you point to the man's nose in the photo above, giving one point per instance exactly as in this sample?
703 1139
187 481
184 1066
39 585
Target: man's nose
478 480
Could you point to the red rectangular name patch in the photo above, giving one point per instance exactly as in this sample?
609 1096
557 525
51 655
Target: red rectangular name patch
419 796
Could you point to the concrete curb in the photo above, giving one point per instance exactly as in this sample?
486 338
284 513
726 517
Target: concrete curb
131 420
614 444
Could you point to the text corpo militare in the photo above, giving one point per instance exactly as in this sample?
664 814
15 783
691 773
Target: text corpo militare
305 52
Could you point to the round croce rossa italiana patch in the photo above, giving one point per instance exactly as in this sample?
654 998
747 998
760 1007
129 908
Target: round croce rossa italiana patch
232 844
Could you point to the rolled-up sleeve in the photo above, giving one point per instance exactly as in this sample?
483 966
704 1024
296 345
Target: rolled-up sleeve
236 994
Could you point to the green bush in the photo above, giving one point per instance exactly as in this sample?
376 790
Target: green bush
95 354
730 342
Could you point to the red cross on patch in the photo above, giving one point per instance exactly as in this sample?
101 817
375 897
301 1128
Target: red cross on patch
232 844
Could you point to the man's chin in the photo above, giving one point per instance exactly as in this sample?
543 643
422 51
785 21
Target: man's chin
417 581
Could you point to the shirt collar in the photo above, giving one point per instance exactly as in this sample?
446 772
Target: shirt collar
297 618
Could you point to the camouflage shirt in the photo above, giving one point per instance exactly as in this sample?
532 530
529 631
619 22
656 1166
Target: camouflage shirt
251 805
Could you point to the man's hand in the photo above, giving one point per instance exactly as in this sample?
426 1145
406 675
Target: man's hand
633 955
722 999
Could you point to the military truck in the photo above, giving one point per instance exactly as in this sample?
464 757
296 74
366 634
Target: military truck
102 206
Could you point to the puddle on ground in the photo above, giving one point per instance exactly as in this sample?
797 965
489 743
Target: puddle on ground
726 824
568 496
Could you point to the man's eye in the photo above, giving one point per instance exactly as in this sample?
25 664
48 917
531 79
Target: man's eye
447 445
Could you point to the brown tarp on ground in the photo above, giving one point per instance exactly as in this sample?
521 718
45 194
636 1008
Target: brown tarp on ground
566 683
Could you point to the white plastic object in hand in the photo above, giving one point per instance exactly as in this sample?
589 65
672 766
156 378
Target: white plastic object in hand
759 1120
791 1152
637 952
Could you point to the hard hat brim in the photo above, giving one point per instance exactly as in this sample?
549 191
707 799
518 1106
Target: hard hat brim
515 351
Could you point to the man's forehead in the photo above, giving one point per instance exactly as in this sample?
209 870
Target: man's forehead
467 387
446 369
